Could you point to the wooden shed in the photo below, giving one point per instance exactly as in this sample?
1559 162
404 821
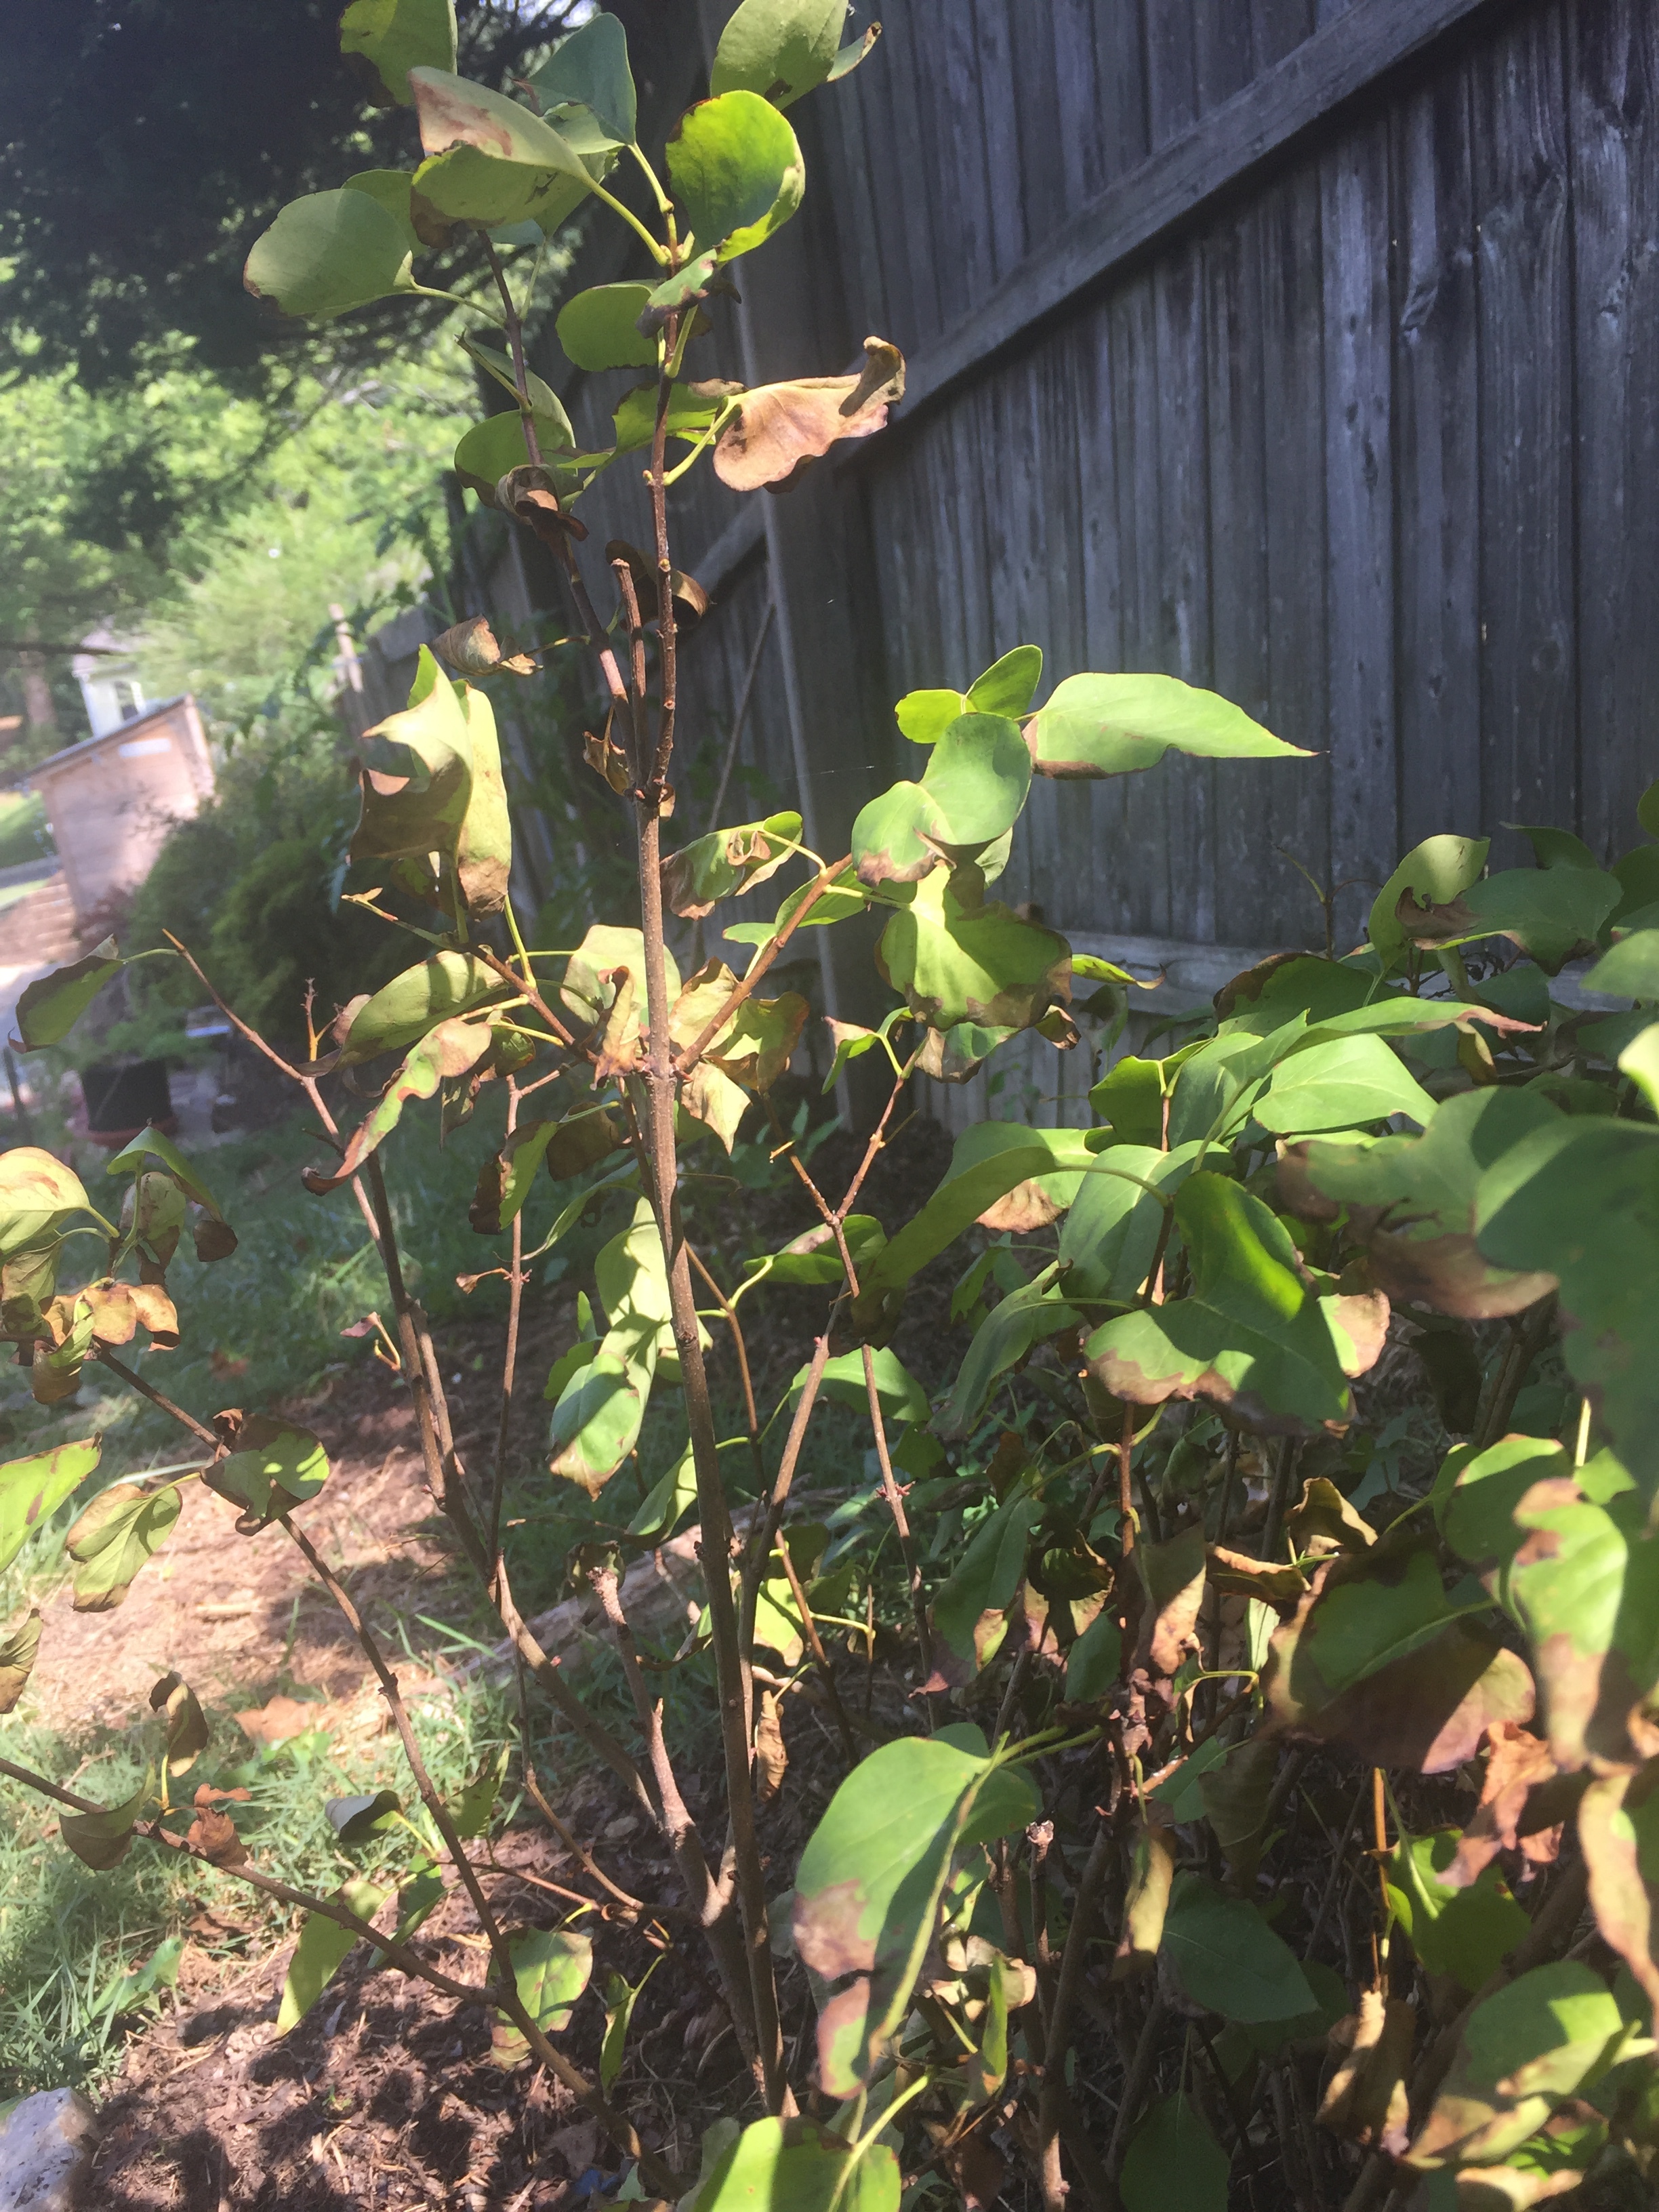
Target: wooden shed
111 800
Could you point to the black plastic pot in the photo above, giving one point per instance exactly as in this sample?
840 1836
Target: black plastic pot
123 1100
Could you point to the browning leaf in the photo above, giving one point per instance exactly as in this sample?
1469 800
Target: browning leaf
1366 2099
777 429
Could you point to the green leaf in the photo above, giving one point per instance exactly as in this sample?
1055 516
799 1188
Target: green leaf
814 1257
49 1006
394 36
954 958
869 1883
668 1502
1091 1664
1007 684
355 1820
799 2165
1025 1318
590 70
321 1950
901 1396
690 413
150 1144
417 780
442 1054
1341 1085
1410 1202
391 188
598 328
328 253
977 776
726 863
274 1466
402 1012
1579 1201
596 1422
475 1808
1173 2160
737 170
489 449
102 1839
551 1967
1555 849
1252 1334
1114 725
1550 2033
1466 1933
1109 1236
779 49
619 1999
159 1971
1640 1062
492 162
32 1489
1227 1959
18 1654
1432 874
1380 1659
1630 969
969 1611
589 988
119 1532
38 1193
187 1732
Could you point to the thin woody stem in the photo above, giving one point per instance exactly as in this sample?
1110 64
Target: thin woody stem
686 1061
820 1657
741 1348
510 1357
102 1353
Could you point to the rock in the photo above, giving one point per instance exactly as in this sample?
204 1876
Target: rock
46 2144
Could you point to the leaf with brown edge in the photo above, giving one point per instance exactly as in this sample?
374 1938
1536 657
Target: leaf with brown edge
621 1046
1619 1834
1410 1202
1378 1660
1365 2102
444 1052
1172 1575
726 863
1151 1873
955 957
101 1839
274 1465
51 1005
120 1530
756 1047
1323 1522
1240 1574
1584 1585
710 1097
472 646
17 1656
187 1734
32 1489
775 430
1520 1793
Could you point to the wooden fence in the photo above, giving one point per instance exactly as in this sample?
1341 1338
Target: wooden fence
1307 352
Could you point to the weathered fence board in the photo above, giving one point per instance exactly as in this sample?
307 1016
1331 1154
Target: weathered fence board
1307 349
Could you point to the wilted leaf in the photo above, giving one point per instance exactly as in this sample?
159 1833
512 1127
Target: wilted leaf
1152 1871
321 1950
775 430
755 1046
489 454
120 1530
1114 725
491 161
32 1489
1519 1797
18 1654
551 1967
1172 1575
1322 1521
870 1880
402 1012
778 48
59 1356
328 253
737 170
38 1193
1548 912
49 1008
416 775
1366 2098
187 1724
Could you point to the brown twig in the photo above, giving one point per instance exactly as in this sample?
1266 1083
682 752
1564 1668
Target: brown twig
106 1358
686 1061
